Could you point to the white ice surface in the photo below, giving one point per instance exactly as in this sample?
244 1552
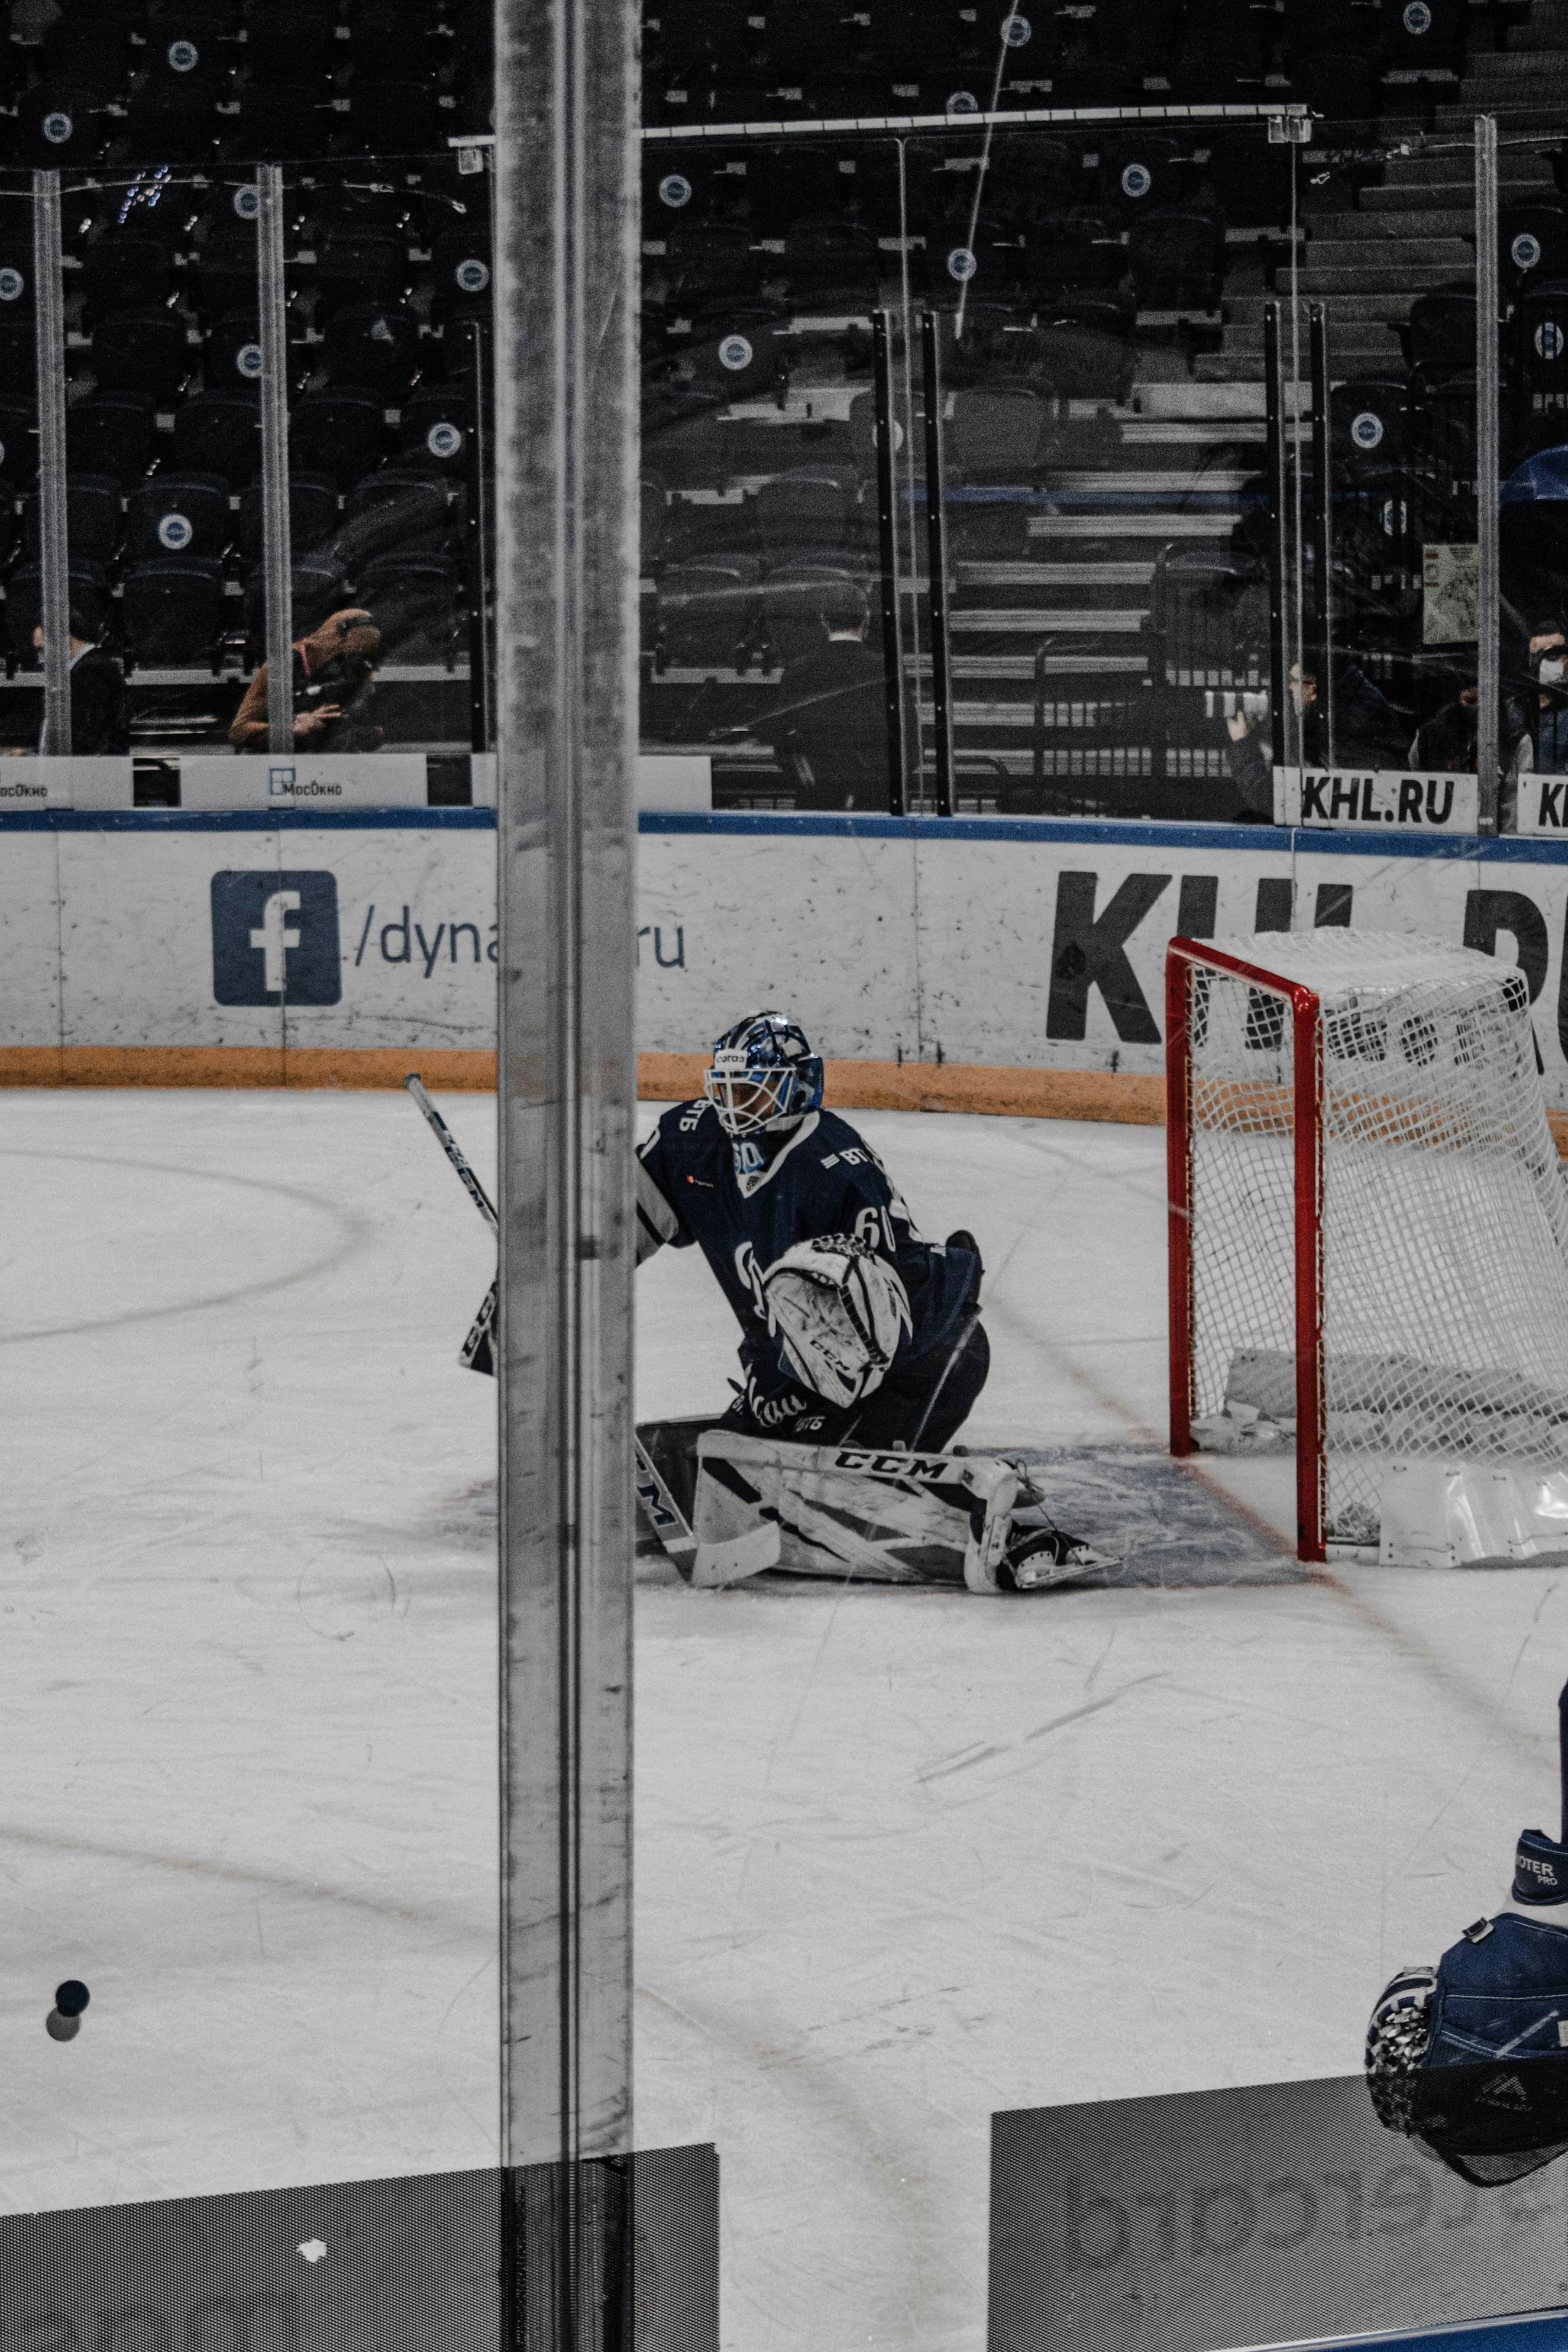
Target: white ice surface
904 1858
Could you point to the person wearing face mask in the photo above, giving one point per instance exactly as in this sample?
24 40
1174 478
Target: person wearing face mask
1543 745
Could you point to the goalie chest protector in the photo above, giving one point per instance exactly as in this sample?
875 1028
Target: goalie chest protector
822 1179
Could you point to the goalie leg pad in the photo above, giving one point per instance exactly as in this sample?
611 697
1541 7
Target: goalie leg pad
890 1517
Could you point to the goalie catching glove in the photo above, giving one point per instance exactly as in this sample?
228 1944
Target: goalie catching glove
838 1312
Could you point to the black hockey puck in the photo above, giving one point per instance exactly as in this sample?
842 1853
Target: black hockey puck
72 1997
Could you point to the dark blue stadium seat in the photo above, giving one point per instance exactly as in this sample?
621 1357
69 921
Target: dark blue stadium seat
92 519
460 268
677 185
785 179
171 610
1214 78
312 515
1540 329
192 48
233 351
994 433
111 433
397 510
397 43
395 117
1369 428
1177 258
18 440
318 588
1033 172
283 119
1080 346
1532 243
416 603
123 270
338 433
833 264
1442 331
1341 84
1079 247
1139 171
811 505
361 264
178 514
88 50
142 351
811 36
1422 36
706 259
219 433
708 609
24 601
434 426
290 40
735 348
164 125
375 344
18 356
60 127
225 271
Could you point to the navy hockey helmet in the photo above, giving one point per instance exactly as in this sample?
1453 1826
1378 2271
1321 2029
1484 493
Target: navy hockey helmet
763 1075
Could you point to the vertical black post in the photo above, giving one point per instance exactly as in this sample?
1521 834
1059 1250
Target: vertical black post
887 579
1322 528
936 562
478 538
1278 684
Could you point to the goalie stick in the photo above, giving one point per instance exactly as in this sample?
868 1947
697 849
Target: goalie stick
698 1563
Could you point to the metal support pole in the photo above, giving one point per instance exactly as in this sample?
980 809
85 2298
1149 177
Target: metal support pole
566 374
886 517
1489 471
1279 683
278 562
1323 534
937 563
54 544
480 461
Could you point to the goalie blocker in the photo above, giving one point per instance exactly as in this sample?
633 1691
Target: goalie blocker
897 1517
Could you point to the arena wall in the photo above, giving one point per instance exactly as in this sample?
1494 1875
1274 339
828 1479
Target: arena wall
987 965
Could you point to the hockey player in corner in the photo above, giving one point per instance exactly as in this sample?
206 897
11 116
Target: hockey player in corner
862 1345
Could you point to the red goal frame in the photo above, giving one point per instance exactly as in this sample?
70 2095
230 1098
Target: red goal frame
1185 959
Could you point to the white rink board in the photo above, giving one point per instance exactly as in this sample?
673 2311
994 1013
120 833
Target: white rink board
1021 943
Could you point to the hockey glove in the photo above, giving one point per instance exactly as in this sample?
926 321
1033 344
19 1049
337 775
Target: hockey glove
838 1312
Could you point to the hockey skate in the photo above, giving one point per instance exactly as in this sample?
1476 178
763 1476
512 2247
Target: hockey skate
1038 1552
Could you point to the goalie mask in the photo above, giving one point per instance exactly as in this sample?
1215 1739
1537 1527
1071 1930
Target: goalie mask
764 1076
839 1311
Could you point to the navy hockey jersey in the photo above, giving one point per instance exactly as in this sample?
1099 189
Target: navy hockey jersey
822 1179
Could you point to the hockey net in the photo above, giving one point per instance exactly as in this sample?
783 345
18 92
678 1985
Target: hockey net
1368 1217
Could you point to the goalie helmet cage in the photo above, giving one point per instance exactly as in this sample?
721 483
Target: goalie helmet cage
1368 1221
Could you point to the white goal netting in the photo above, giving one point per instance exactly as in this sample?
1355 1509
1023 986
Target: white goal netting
1443 1221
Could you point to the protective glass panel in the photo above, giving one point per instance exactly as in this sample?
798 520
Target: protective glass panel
1379 548
1095 281
776 561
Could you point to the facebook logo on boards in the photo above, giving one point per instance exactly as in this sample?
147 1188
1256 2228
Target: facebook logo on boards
275 938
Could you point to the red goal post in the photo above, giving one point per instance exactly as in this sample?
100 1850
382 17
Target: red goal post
1185 960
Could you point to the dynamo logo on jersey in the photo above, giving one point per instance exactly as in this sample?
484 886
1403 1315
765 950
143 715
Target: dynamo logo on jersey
274 939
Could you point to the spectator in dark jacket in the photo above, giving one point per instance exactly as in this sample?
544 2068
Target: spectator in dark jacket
830 725
1366 729
99 727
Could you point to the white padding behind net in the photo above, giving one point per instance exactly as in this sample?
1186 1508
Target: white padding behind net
1445 1228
